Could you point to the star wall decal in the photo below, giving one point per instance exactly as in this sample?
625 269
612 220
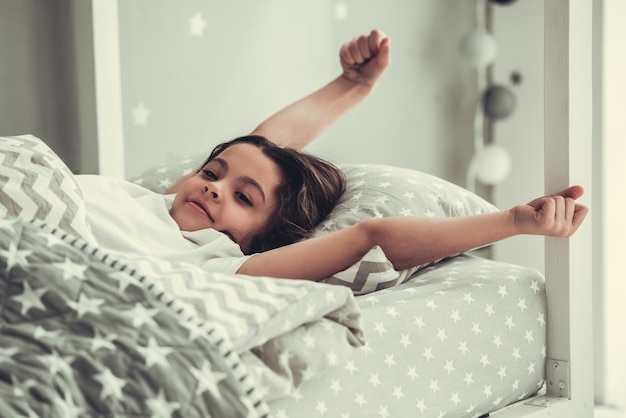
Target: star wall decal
197 25
341 11
141 114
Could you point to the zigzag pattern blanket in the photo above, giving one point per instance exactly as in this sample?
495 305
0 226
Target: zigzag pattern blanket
86 333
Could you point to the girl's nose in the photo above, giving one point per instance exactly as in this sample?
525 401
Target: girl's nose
213 193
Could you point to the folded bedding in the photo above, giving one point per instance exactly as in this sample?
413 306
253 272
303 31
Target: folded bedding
80 336
88 332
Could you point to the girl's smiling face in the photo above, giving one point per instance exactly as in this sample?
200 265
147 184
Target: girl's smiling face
235 193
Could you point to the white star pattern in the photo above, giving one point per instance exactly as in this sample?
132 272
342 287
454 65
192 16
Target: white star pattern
341 11
14 256
85 305
208 379
111 385
335 386
160 407
71 270
449 367
351 367
155 354
56 363
124 280
405 340
397 392
68 407
497 340
30 298
522 304
197 25
6 353
141 114
103 342
41 333
142 316
321 407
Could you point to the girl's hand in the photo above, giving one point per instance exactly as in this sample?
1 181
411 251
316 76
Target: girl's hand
365 58
556 215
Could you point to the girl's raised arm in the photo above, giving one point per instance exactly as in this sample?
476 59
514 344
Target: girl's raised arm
363 60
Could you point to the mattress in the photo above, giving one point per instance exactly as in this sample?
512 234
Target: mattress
462 338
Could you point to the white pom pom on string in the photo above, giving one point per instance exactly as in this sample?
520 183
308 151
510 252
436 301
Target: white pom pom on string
493 164
479 48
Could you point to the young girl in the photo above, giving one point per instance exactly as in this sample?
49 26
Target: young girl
262 197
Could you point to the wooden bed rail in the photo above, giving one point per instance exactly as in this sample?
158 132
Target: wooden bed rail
568 150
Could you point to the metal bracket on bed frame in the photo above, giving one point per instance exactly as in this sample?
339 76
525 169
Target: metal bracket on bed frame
557 384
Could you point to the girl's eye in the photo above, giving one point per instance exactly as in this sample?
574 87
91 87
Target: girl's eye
243 198
209 174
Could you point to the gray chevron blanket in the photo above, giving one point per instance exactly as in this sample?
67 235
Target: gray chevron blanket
87 333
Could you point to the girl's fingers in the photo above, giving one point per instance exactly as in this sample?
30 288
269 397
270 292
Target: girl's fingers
355 52
570 205
364 47
580 211
573 192
546 209
345 55
559 206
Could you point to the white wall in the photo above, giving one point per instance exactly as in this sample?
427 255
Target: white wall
421 114
518 28
243 61
254 57
612 212
37 75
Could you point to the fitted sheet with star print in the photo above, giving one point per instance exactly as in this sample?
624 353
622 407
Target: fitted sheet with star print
462 338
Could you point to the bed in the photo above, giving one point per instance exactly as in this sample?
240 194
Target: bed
85 331
134 345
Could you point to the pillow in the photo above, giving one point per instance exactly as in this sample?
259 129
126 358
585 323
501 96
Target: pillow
162 175
372 191
376 191
36 184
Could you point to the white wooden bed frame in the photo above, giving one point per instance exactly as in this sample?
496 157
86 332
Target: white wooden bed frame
568 134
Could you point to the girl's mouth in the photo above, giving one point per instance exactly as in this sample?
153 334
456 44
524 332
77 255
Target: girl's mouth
201 208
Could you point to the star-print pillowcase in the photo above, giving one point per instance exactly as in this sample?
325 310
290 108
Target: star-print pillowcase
36 184
376 191
161 176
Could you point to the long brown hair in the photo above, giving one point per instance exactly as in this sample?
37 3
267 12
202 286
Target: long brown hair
309 191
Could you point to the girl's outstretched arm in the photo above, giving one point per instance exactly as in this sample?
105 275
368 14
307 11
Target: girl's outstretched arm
413 241
363 60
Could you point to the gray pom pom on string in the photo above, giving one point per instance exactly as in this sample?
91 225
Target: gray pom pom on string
498 102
